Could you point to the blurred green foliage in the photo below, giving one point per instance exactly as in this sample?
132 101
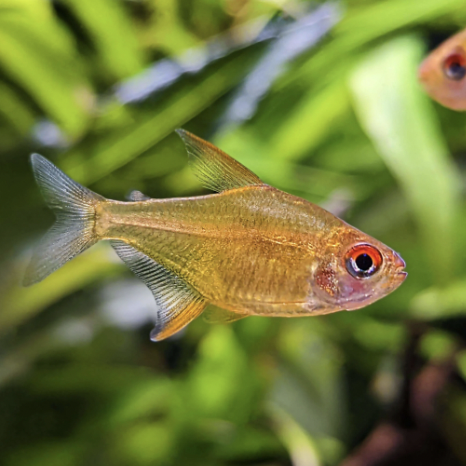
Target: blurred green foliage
344 125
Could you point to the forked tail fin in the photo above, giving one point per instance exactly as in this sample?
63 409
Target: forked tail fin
73 231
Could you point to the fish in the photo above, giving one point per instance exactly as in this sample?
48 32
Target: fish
443 73
247 249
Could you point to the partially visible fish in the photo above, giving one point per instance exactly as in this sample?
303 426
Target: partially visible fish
249 250
443 73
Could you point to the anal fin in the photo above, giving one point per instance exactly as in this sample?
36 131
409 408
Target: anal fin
178 303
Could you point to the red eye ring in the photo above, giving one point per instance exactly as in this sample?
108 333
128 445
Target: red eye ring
454 66
363 260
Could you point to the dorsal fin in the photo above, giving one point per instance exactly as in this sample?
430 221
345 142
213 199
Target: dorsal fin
217 170
135 196
178 303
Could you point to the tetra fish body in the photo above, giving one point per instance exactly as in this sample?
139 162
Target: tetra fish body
250 249
443 72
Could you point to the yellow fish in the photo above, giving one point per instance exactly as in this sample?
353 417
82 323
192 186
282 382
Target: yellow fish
443 73
250 249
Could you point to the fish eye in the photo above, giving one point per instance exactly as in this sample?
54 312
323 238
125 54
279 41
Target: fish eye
454 67
363 260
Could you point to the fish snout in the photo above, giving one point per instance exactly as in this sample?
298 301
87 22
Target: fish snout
423 72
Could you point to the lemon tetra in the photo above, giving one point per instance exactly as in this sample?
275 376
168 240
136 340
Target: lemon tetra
249 249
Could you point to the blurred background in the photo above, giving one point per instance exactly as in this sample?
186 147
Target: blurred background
320 100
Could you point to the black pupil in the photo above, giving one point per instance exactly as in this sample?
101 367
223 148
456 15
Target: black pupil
364 262
456 71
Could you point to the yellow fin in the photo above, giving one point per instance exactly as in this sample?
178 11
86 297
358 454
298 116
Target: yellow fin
217 170
217 315
178 304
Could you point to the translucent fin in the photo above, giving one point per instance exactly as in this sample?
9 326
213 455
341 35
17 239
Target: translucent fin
73 232
135 196
217 170
178 303
217 315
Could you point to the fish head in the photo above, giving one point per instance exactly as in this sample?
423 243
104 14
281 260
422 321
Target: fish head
443 73
356 270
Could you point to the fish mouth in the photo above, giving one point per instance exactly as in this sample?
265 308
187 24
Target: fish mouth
400 265
402 275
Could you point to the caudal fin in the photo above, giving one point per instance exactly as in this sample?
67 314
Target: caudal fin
73 231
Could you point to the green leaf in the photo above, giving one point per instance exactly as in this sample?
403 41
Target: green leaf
15 110
310 122
112 33
37 10
212 388
367 23
283 172
19 304
173 112
309 384
299 443
38 56
440 302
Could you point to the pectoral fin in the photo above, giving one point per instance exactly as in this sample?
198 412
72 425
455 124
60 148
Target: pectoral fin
217 170
178 303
